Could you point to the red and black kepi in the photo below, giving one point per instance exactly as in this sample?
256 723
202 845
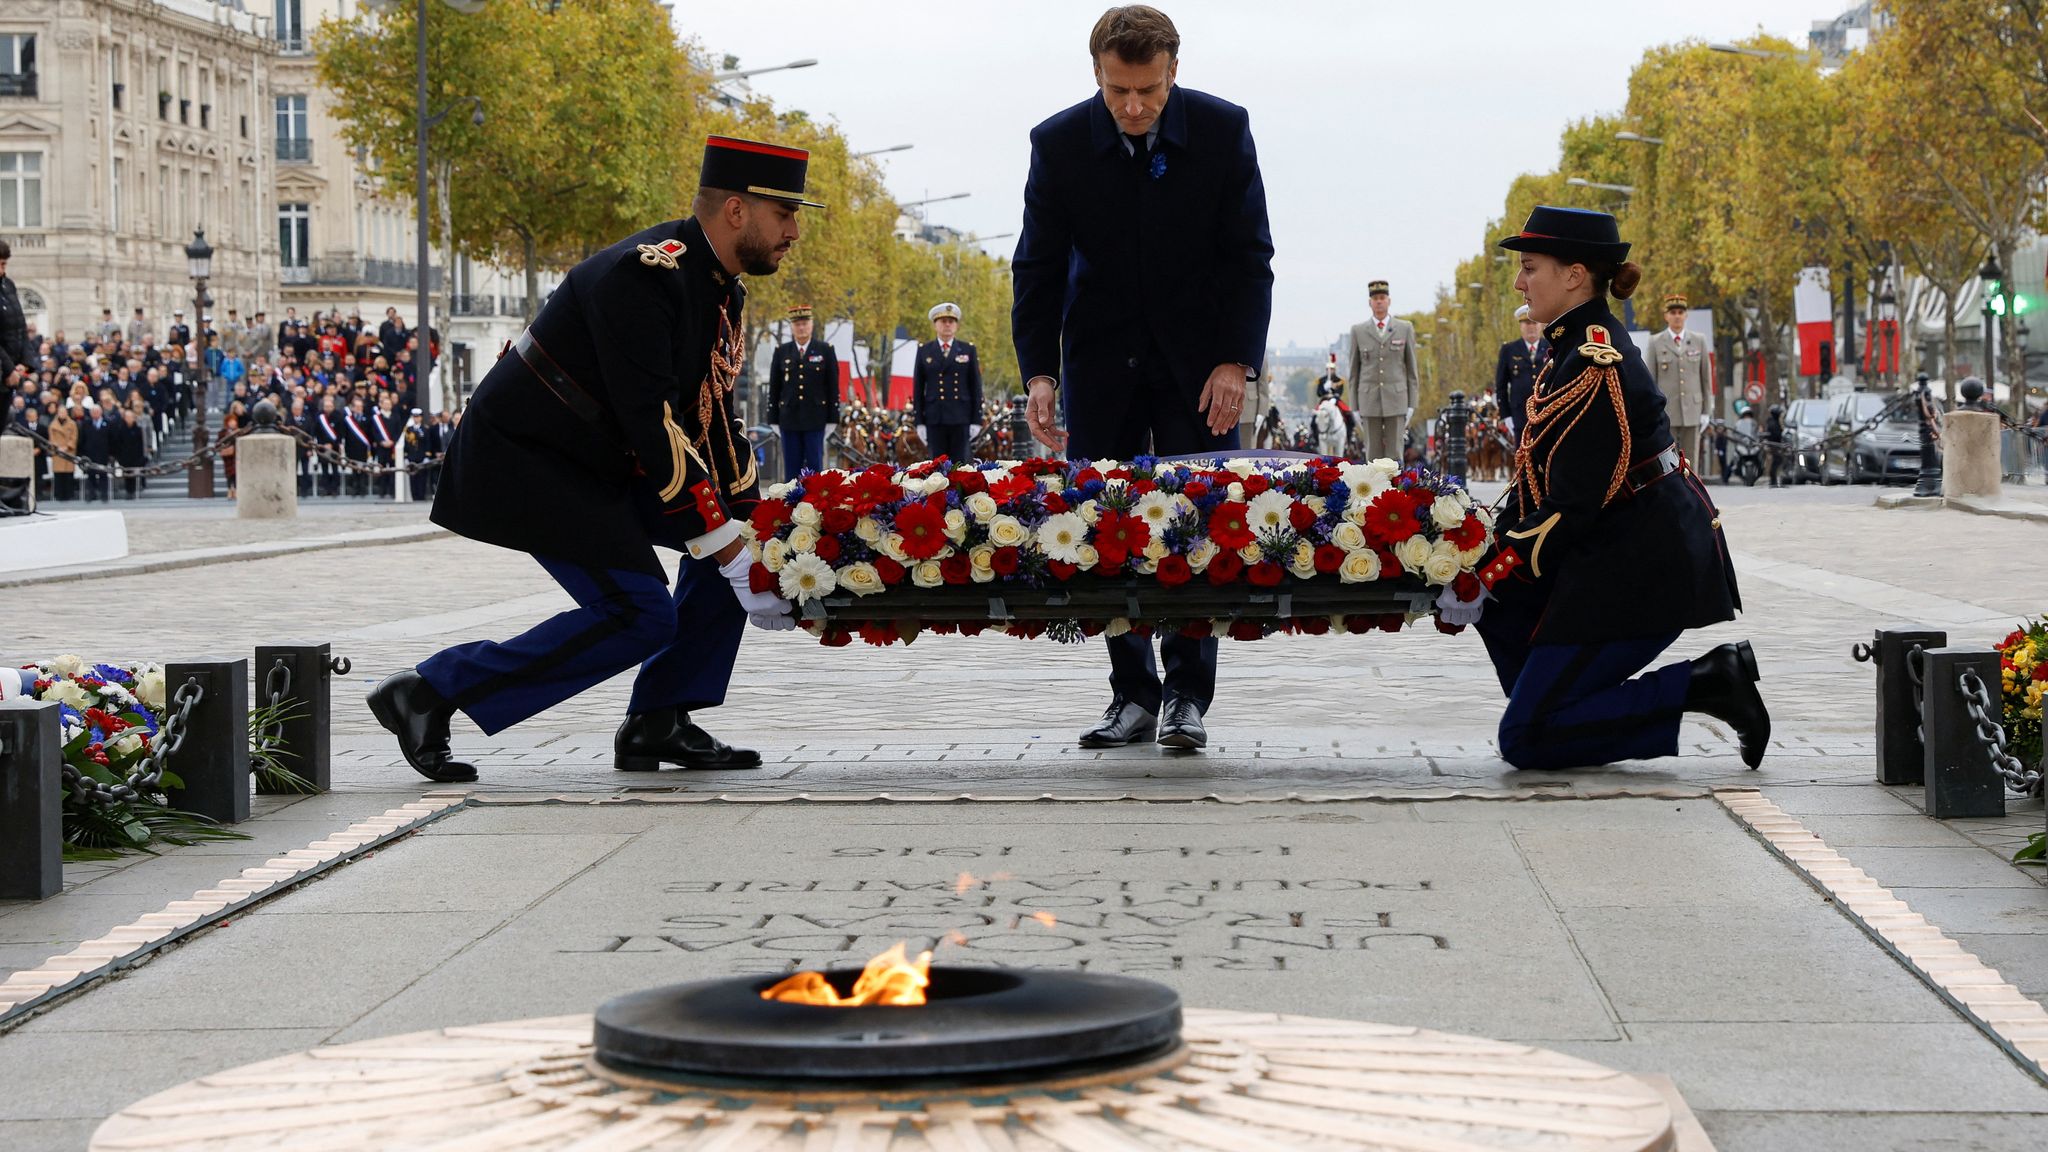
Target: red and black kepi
1575 234
770 171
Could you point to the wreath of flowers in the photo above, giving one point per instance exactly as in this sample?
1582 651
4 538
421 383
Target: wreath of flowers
1039 523
2023 680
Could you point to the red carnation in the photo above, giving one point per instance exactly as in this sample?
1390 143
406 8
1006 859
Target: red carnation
827 548
879 633
1225 568
1061 570
1247 630
1012 487
1301 516
889 570
956 569
1109 559
760 579
1329 558
1005 561
923 529
769 515
1174 572
1230 526
839 520
1391 517
2041 670
1468 535
1266 574
1116 531
875 487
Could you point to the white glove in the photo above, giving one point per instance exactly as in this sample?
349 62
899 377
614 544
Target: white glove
973 430
771 623
736 572
921 435
831 430
1409 415
1452 610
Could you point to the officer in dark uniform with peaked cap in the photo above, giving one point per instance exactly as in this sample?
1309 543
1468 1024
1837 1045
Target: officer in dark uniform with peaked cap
946 388
1607 546
1514 370
803 395
605 429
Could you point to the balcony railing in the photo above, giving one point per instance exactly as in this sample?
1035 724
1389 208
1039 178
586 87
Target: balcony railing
295 274
369 273
294 149
18 84
291 44
480 306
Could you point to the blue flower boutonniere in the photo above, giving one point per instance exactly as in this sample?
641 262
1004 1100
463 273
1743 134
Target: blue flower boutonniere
1158 165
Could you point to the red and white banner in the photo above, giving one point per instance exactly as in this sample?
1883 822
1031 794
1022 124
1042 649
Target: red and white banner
1813 309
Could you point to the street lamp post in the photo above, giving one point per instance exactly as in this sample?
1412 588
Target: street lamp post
199 262
742 74
1580 182
1638 138
879 151
1993 277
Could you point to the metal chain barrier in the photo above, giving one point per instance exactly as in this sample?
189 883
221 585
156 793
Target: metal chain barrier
277 684
1991 734
1840 438
147 776
119 471
349 463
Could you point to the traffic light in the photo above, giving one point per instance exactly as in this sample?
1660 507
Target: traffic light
2003 299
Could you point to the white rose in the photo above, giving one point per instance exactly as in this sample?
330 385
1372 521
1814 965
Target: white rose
1200 555
861 579
892 547
69 692
1359 567
1234 492
1304 565
150 687
1052 483
927 574
1007 532
1144 565
1354 512
1348 536
1446 513
775 553
68 665
1442 567
981 506
1107 466
956 525
778 491
1155 549
1061 537
1412 553
1088 556
1316 504
995 475
1470 557
806 514
807 577
1117 627
1242 465
935 484
1090 511
1250 554
868 529
981 561
126 742
803 539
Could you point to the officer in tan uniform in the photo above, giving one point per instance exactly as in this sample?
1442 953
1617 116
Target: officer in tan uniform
1680 362
1384 381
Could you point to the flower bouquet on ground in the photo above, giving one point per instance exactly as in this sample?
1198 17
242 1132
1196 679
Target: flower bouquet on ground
2023 683
1242 546
111 716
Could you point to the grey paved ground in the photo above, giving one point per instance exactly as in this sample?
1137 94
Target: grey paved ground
1649 934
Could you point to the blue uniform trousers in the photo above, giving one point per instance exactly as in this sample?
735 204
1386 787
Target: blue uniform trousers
1575 705
950 441
684 641
801 451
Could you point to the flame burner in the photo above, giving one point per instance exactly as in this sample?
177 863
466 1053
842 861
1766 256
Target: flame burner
980 1025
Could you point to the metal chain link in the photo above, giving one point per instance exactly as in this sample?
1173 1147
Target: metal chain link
1991 734
1843 437
119 471
277 684
350 464
147 776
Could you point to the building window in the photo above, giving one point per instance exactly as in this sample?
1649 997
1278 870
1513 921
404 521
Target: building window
21 190
290 26
17 64
294 235
292 140
120 179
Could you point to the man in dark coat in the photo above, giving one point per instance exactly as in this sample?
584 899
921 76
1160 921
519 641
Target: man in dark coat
606 430
325 425
96 443
1514 371
1607 546
358 443
803 395
946 389
14 347
1144 285
130 451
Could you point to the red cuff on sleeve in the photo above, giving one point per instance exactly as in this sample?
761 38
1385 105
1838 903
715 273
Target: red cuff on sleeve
1499 568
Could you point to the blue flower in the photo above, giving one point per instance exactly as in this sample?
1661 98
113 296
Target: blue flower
113 674
1158 164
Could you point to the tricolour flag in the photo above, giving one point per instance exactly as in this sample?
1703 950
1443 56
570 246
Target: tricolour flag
1813 309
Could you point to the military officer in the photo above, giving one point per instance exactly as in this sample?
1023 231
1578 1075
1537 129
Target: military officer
803 395
946 389
1680 362
606 429
1608 546
1514 372
1385 383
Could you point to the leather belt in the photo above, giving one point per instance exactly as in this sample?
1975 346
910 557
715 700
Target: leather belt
559 382
1644 473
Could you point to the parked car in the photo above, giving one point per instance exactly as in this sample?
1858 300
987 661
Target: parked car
1806 425
1884 452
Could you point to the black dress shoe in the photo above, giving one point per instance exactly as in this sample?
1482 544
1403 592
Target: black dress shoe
1122 723
1180 727
409 708
648 740
1723 686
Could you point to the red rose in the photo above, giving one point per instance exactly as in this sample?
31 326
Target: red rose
1195 490
1061 570
1329 558
768 516
923 529
890 571
840 520
1092 628
1086 476
1109 559
760 579
1326 479
1140 487
2041 670
836 638
1449 629
1229 526
1266 574
1174 572
1256 483
827 548
1357 624
1392 622
1005 561
1468 535
1467 587
1196 629
1247 630
969 481
1225 568
1055 503
1301 516
942 628
1312 625
956 569
970 629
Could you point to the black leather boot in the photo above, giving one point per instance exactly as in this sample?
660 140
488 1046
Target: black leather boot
1723 686
647 740
409 708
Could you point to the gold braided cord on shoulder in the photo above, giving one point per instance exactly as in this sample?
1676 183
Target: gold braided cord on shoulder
1551 418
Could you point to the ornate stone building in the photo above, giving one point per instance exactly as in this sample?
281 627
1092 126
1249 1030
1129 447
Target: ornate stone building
124 126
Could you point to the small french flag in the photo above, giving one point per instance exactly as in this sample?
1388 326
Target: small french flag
1813 309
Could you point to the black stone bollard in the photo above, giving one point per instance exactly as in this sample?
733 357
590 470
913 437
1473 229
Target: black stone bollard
1021 444
213 760
302 674
1929 483
1960 777
1900 756
31 800
1457 415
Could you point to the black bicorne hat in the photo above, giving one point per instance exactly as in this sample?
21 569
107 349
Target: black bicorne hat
1576 234
769 171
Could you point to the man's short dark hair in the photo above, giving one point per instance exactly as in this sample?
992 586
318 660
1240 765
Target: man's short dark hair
1137 33
6 250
